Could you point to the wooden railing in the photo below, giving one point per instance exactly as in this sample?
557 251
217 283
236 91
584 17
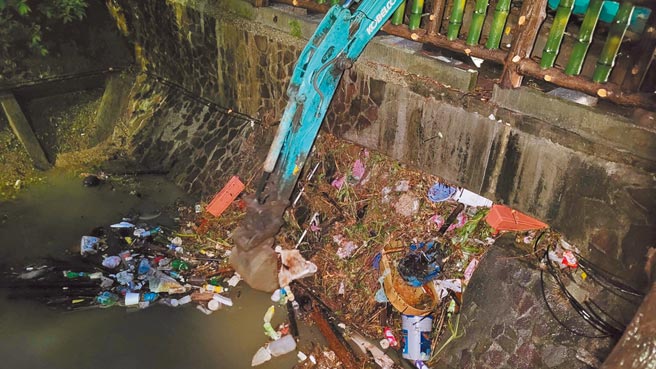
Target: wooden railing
496 31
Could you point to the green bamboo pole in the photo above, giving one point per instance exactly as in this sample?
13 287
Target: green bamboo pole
498 23
606 59
556 33
334 2
397 17
321 1
456 19
416 9
477 22
585 38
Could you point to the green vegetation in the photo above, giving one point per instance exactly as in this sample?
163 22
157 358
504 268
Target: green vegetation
295 28
25 24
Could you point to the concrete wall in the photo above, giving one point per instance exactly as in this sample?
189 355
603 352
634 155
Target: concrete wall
587 172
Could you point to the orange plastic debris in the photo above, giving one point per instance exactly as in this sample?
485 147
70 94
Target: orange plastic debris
228 193
503 218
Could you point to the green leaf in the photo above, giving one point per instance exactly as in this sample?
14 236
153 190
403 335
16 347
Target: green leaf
22 8
3 4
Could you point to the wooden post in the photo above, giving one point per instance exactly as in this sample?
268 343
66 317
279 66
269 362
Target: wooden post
531 17
435 19
644 56
23 131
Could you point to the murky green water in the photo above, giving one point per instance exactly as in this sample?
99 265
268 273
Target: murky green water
49 219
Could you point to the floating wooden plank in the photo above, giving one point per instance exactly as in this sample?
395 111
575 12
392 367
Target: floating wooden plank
228 193
22 129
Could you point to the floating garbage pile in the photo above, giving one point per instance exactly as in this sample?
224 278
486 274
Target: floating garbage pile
132 265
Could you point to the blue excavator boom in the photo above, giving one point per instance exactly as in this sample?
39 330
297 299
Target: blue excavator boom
337 42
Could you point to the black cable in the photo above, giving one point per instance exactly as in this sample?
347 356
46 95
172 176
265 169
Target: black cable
63 77
595 321
201 99
607 286
609 277
553 314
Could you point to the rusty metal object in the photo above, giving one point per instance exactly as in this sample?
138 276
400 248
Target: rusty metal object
637 347
343 353
532 15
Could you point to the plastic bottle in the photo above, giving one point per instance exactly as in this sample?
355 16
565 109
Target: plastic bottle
420 364
69 274
184 300
269 331
107 299
215 289
214 281
179 265
213 305
284 345
269 314
144 266
170 302
149 296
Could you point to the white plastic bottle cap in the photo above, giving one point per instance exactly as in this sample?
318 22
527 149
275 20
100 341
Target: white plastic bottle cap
213 305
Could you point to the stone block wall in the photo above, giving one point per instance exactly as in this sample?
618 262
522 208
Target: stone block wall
596 191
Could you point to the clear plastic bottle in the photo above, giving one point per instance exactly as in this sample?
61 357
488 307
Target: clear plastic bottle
284 345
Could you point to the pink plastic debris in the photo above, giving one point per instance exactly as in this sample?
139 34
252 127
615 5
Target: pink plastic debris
338 182
358 170
470 270
437 219
460 221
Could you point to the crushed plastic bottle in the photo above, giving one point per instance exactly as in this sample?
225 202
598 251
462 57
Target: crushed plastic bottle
282 346
107 299
179 265
269 331
71 275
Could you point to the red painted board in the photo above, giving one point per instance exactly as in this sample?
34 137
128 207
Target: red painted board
228 193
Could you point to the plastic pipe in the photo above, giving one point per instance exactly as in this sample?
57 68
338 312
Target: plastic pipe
498 23
416 9
584 39
456 19
556 33
477 22
397 17
608 54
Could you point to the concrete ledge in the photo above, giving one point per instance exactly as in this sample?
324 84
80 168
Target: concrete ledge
592 124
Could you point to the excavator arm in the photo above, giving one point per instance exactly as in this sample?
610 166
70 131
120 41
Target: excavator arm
337 42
